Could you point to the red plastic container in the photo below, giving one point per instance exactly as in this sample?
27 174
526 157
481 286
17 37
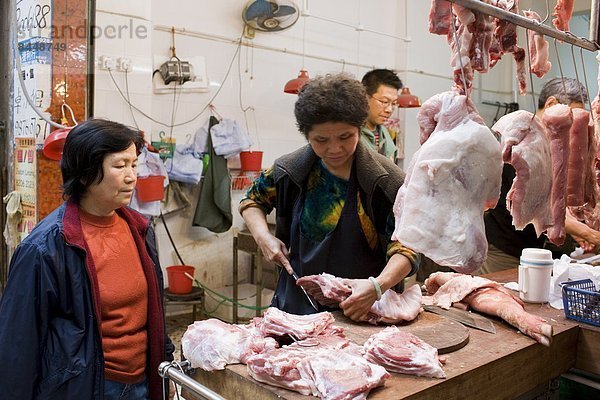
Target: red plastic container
150 188
179 282
251 160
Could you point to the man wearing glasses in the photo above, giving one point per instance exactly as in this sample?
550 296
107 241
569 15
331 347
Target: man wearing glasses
382 91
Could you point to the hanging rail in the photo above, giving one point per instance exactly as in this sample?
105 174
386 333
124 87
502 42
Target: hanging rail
174 371
480 6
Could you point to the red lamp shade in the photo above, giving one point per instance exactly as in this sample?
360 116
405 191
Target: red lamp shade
293 86
407 100
53 145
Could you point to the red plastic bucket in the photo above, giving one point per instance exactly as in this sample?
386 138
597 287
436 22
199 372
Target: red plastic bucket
179 283
150 188
251 160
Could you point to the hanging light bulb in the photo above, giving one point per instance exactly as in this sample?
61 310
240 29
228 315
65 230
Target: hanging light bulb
293 86
408 100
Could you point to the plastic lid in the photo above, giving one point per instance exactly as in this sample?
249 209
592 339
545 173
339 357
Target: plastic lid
536 255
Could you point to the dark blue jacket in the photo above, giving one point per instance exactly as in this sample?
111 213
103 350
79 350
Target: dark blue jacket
50 337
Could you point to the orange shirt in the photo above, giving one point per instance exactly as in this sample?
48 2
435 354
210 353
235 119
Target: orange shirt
123 296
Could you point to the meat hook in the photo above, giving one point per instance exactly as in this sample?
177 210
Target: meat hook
577 75
462 68
586 82
530 74
562 76
547 12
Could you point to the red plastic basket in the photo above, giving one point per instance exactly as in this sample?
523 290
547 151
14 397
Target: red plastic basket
150 188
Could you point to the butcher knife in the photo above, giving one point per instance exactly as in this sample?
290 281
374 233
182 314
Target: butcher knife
464 317
310 300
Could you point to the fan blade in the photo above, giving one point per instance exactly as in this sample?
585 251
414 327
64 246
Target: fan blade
284 10
260 8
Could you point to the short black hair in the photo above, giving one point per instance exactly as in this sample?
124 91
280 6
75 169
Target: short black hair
565 92
86 146
331 98
377 77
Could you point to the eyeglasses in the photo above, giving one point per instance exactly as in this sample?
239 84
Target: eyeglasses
386 103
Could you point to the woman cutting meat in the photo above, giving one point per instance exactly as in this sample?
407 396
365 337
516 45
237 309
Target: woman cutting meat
334 200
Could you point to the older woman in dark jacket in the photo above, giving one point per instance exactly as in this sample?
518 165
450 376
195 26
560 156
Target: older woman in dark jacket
334 202
82 315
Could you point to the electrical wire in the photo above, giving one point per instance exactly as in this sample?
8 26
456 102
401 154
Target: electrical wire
203 108
129 100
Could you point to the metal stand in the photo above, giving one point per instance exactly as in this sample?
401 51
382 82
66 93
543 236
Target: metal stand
175 371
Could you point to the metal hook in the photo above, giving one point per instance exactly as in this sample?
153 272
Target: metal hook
562 76
547 12
462 68
577 74
586 84
530 73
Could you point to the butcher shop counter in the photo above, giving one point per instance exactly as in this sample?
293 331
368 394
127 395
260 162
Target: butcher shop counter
505 365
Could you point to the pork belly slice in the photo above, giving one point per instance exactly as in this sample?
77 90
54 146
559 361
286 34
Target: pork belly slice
211 344
558 120
563 11
488 297
275 322
403 353
578 158
526 147
538 48
452 179
390 309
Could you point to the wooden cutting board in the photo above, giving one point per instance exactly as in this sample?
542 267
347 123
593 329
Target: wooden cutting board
440 332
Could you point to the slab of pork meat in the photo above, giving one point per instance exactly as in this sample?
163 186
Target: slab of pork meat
275 322
487 297
578 157
278 367
329 367
526 147
558 120
452 179
211 344
440 17
538 48
403 353
341 376
563 12
392 308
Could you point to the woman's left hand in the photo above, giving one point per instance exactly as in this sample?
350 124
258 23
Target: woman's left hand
358 305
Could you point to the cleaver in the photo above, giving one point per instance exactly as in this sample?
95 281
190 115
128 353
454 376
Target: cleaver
464 317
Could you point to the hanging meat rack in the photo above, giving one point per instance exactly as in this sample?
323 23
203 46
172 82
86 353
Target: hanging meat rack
590 44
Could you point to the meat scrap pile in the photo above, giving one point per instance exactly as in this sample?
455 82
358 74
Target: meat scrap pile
451 180
488 297
393 307
321 361
478 41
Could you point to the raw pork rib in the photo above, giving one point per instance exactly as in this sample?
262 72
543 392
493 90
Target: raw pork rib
440 17
527 149
333 369
538 48
488 297
393 307
275 322
558 120
452 179
403 353
211 344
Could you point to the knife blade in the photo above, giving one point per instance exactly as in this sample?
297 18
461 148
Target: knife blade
310 300
464 317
